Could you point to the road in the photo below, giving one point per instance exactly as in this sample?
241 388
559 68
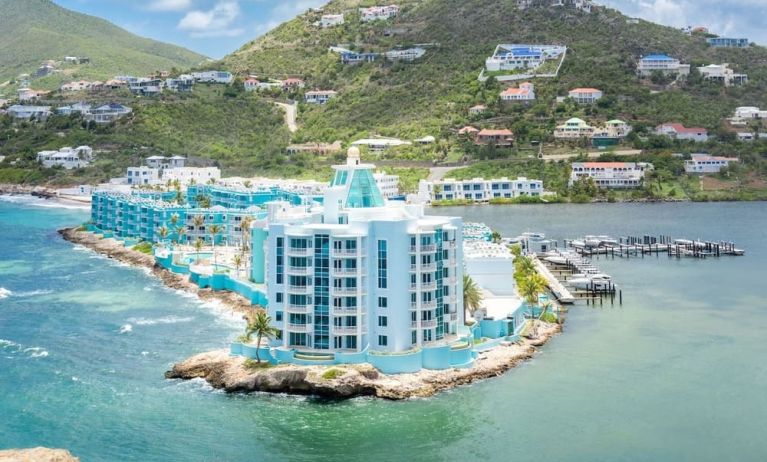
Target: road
593 154
290 115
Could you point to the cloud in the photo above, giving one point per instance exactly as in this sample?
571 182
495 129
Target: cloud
169 5
216 22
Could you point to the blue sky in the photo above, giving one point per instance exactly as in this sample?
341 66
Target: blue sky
217 27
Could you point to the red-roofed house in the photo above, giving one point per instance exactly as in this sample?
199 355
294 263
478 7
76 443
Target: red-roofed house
502 137
610 174
292 83
585 95
477 110
680 132
468 130
525 93
251 84
704 163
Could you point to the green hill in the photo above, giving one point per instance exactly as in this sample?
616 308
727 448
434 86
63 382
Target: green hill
33 31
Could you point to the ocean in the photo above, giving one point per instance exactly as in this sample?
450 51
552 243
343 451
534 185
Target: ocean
676 372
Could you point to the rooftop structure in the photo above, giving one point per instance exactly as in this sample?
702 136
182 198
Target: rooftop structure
704 163
680 132
663 64
612 175
520 56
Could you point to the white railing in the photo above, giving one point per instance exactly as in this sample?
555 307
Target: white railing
291 308
424 324
344 310
300 327
299 251
300 289
346 290
349 271
345 329
345 252
302 270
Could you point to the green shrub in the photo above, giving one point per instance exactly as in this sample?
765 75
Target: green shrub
143 247
333 373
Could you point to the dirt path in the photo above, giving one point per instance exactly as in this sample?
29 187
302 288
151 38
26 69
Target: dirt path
290 115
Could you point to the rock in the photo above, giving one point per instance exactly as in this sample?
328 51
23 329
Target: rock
38 454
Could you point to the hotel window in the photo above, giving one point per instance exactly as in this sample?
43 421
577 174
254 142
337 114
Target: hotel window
278 316
383 340
413 337
382 265
278 297
383 302
383 321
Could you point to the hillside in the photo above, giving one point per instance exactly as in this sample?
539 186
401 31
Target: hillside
37 30
432 94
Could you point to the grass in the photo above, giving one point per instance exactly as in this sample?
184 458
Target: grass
253 365
333 373
144 247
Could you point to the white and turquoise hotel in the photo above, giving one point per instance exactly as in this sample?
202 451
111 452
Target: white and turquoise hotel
359 275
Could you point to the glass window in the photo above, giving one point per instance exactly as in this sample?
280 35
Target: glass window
382 265
383 321
383 302
383 340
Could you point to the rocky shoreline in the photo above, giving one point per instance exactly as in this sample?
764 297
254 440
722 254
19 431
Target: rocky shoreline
234 374
115 250
38 454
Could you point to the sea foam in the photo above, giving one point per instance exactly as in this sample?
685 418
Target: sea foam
5 293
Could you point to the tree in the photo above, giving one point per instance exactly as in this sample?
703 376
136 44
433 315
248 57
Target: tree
214 231
472 295
530 288
237 260
496 237
198 246
260 325
245 229
163 232
180 231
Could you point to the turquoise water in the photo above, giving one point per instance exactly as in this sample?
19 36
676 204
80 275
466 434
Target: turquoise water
675 373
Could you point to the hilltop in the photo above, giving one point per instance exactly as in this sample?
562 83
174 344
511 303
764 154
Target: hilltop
34 31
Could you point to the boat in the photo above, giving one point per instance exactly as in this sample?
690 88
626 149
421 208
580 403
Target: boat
557 260
598 281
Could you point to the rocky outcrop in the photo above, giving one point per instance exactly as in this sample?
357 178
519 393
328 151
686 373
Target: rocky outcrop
113 249
236 374
37 455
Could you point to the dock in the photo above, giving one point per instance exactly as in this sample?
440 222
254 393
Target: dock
561 292
629 246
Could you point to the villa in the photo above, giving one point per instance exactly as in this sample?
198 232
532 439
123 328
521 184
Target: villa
680 132
477 110
67 158
182 83
142 175
29 112
319 96
573 128
163 162
663 64
723 74
585 95
375 13
612 175
145 86
353 57
468 131
725 42
501 137
381 144
292 83
508 57
406 54
478 189
213 77
525 93
107 113
331 20
704 163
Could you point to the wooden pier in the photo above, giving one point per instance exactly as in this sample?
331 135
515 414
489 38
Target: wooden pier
561 292
628 247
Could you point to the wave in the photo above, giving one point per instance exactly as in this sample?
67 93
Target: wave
126 328
163 320
36 352
39 202
5 293
33 293
14 348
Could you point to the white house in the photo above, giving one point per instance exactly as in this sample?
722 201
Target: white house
375 13
585 95
479 109
704 163
521 56
182 83
29 112
143 175
573 128
663 64
67 157
330 20
478 189
162 162
213 77
387 184
610 174
525 93
723 74
319 96
107 113
380 144
407 54
680 132
189 175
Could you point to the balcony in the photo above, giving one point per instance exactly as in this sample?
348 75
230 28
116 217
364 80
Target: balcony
299 309
300 270
346 290
423 248
430 305
299 251
453 316
424 324
300 289
344 310
299 327
349 330
425 267
346 271
345 252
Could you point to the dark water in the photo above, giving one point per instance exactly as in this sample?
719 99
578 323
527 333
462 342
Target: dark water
675 373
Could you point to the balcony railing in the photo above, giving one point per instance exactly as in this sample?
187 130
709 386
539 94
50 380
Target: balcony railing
292 308
346 290
430 305
351 271
300 270
300 289
423 248
344 310
345 252
299 251
345 329
424 324
299 327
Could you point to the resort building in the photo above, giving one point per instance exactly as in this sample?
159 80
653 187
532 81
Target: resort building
375 13
525 93
162 162
508 57
611 175
573 128
18 111
387 184
360 275
723 74
680 132
67 158
726 42
191 175
663 64
143 175
331 20
704 163
319 96
585 95
478 189
498 137
213 77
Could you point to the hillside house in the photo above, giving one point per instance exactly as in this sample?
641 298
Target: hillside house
722 73
680 132
76 108
146 86
292 83
519 56
353 57
477 110
163 162
525 93
585 95
614 175
331 20
18 111
726 42
502 137
183 83
319 96
406 54
67 157
26 95
573 128
704 163
468 131
142 175
376 13
381 144
223 77
107 113
661 63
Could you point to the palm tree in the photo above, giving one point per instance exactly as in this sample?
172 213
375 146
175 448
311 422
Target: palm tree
260 325
237 260
198 221
245 228
180 231
214 230
472 295
163 232
174 219
198 246
247 183
530 288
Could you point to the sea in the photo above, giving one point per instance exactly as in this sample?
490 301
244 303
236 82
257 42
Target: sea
677 372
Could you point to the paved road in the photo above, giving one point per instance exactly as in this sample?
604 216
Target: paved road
290 115
593 154
437 173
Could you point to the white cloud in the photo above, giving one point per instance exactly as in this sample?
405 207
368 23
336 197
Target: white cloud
169 5
216 22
